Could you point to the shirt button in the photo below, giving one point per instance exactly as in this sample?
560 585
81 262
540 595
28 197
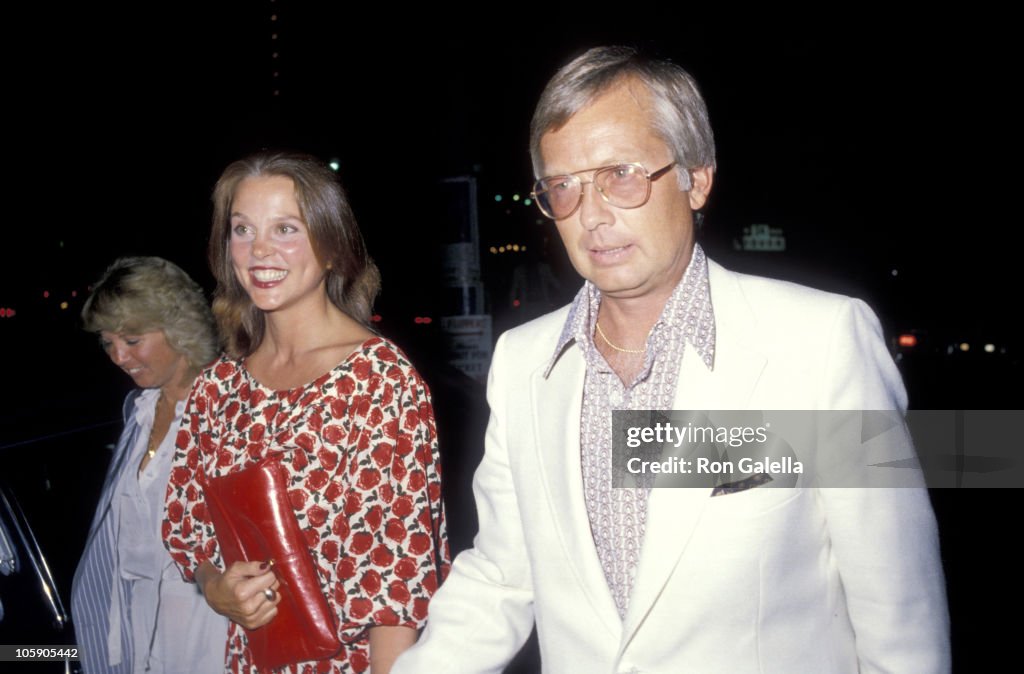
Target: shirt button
616 397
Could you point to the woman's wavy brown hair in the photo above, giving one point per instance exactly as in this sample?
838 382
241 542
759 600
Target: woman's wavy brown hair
352 278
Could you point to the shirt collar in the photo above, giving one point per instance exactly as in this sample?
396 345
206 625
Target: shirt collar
688 310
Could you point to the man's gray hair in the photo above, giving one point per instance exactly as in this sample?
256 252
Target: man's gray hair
680 115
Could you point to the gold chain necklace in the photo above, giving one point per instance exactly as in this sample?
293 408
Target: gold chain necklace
617 348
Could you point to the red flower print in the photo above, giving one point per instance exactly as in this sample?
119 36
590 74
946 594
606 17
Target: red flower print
406 569
258 396
368 478
207 445
359 608
385 616
361 404
361 369
419 543
370 582
298 499
317 516
317 479
417 480
358 445
376 416
340 527
381 454
333 434
180 476
361 542
373 517
175 511
224 370
346 568
395 530
306 441
338 408
333 492
398 470
328 459
330 550
358 662
404 445
381 556
399 591
419 608
402 507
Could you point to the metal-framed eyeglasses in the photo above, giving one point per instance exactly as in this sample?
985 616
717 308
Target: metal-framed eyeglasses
621 185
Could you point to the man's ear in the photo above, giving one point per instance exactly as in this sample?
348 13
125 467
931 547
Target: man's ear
702 179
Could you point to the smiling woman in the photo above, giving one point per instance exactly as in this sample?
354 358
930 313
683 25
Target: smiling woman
131 609
305 381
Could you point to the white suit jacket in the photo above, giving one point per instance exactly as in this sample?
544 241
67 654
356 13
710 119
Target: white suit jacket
765 580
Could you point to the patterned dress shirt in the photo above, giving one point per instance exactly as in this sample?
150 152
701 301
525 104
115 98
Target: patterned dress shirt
618 515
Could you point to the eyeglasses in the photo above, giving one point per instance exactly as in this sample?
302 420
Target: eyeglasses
621 185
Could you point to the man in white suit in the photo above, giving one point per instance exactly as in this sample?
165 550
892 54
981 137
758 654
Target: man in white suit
731 580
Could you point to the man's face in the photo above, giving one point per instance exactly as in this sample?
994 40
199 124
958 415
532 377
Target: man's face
627 253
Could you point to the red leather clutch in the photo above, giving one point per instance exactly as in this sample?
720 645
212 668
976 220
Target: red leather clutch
254 521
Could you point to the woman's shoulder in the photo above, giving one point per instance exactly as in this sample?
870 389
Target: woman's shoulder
386 358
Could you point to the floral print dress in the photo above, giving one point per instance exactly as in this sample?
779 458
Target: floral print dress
360 447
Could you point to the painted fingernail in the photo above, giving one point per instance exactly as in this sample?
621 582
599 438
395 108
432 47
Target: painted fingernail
264 566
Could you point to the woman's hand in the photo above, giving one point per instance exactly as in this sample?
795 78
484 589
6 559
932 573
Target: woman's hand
240 593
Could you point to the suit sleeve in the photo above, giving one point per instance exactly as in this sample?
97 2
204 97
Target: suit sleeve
884 539
483 613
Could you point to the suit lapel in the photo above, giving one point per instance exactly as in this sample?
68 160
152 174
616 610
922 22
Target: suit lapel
673 514
557 403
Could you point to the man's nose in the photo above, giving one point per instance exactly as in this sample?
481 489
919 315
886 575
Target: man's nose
594 210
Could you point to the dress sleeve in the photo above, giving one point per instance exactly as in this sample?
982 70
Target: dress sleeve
185 513
395 544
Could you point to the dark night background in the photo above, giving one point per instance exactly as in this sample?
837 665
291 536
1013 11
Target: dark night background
873 141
